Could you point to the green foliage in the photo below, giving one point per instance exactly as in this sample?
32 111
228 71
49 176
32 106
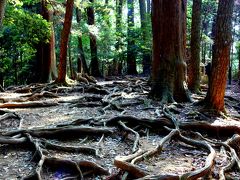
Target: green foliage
22 31
25 27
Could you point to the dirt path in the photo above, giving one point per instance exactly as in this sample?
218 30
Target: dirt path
111 130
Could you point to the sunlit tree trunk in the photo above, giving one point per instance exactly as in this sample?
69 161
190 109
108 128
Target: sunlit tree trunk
131 56
64 42
146 59
94 65
168 22
149 6
194 64
221 56
2 10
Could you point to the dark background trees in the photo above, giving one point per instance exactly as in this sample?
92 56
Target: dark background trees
112 38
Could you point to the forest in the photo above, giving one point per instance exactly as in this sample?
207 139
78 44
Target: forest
120 89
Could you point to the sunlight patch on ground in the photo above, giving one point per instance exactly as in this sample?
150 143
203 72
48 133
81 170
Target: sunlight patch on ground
109 82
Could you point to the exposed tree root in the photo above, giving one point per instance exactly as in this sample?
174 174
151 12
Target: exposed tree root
95 168
217 130
87 104
77 122
62 131
77 149
115 97
122 161
9 115
132 131
43 94
28 104
160 122
11 140
96 90
208 163
157 149
160 177
135 171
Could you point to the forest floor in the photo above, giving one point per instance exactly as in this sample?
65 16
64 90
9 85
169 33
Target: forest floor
111 130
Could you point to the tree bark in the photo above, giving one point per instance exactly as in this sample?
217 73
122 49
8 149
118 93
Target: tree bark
2 10
94 65
46 51
131 57
82 64
146 59
194 65
168 22
221 56
64 42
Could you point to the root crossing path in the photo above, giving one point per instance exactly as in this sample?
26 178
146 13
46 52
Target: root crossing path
111 130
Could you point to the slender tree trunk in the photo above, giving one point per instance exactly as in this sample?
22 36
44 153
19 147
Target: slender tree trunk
70 58
168 50
131 56
82 64
94 65
149 6
221 56
53 66
64 42
2 10
118 46
146 59
194 64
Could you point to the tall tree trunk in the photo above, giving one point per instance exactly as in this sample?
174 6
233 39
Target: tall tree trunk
194 64
53 69
46 51
94 65
180 92
168 50
64 42
221 56
117 61
2 10
146 59
82 64
131 57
